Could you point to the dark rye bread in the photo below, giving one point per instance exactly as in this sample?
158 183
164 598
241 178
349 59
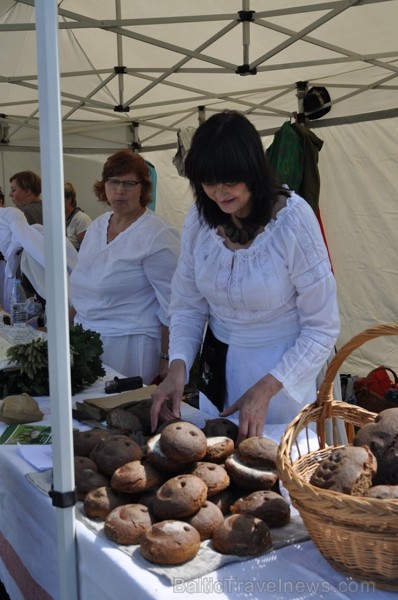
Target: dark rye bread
115 451
221 427
206 519
258 452
349 470
170 542
84 441
123 421
215 476
136 477
180 497
249 477
242 535
382 439
158 459
127 524
218 448
266 505
183 442
99 502
89 479
83 462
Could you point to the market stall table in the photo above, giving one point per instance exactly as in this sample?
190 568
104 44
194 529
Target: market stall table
29 567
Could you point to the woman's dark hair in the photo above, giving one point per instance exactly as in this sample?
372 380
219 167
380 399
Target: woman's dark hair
227 148
122 163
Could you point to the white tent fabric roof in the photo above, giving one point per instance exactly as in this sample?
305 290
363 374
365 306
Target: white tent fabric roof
180 56
174 57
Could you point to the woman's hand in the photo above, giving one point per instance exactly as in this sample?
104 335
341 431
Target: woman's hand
171 388
253 406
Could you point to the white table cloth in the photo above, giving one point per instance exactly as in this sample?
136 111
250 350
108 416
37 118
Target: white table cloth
29 568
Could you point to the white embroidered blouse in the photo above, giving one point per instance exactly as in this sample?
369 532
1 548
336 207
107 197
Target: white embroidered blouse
277 296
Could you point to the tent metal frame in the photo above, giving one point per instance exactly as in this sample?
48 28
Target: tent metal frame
155 118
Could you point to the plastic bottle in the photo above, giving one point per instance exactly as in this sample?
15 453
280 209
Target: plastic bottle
18 306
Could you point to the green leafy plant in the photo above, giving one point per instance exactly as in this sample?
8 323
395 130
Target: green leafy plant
31 364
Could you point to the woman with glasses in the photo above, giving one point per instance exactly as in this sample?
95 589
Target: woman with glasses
121 284
255 270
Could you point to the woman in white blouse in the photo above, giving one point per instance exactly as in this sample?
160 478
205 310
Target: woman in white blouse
255 269
121 285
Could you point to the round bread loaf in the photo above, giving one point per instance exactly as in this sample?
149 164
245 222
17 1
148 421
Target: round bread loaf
89 479
215 476
136 477
242 535
84 441
249 478
158 459
84 462
258 452
224 499
218 449
99 502
170 542
382 491
142 410
221 427
382 439
123 421
348 470
127 524
208 517
183 442
180 497
266 505
115 451
148 498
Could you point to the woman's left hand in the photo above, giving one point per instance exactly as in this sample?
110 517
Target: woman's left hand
253 406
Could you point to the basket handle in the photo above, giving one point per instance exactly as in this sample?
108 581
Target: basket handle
325 394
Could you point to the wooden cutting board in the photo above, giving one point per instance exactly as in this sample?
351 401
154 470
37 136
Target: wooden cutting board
123 399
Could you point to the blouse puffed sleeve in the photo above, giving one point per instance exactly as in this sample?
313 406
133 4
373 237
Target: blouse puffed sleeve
311 273
188 308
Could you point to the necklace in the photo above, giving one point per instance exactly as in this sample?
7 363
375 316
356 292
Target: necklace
239 235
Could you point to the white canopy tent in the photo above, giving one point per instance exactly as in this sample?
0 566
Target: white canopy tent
134 73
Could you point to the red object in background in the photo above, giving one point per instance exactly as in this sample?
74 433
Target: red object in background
377 381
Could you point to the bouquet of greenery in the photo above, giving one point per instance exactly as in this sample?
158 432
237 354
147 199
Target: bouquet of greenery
30 374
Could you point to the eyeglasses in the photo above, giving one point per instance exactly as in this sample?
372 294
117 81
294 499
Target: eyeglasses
126 185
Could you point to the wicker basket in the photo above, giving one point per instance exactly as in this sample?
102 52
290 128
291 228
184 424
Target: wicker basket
357 535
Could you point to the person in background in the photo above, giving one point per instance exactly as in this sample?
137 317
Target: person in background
77 220
253 268
2 199
25 190
121 284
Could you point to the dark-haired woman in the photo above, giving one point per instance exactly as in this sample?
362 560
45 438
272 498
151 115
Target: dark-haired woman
255 270
121 284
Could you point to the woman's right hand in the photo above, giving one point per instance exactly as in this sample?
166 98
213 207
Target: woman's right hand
171 388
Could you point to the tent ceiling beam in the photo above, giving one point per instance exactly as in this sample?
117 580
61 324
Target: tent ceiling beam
82 22
187 71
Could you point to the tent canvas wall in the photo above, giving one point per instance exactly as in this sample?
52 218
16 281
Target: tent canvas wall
132 74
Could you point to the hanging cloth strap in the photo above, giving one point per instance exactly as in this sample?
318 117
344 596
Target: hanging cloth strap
72 214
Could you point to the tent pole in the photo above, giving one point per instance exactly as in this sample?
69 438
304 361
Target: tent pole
51 159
